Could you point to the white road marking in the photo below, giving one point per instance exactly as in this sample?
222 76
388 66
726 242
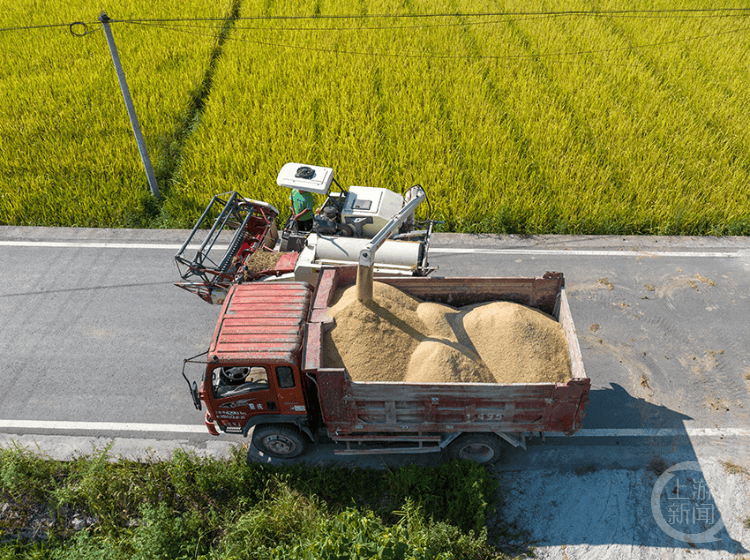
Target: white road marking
657 432
445 250
102 245
101 426
590 253
200 429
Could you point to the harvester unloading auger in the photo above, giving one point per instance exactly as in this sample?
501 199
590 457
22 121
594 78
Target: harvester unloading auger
366 262
351 226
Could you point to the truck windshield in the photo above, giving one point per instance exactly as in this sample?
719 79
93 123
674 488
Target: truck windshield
230 381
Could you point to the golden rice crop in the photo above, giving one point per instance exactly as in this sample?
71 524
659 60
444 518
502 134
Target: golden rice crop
553 119
67 153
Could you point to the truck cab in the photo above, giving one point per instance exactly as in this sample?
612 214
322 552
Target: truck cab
252 374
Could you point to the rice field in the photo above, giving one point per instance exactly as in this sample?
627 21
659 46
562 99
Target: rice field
582 117
67 152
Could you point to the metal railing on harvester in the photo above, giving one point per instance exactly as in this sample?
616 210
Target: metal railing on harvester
240 227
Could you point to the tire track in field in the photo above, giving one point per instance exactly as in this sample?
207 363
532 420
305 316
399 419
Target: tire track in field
580 129
173 145
380 117
467 182
650 65
496 95
699 113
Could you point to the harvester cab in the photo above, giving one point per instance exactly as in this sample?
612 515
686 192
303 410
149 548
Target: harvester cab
354 212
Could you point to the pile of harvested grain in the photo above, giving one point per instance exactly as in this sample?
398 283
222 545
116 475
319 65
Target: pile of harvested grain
437 360
519 344
446 355
374 341
438 317
398 338
259 261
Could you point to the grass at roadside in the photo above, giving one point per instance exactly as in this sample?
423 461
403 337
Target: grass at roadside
193 507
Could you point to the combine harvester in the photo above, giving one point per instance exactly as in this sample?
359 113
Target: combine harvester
249 248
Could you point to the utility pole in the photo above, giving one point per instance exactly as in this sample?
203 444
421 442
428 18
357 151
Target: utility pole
104 19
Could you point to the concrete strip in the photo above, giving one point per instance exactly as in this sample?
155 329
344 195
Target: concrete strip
608 514
200 429
102 426
67 448
658 432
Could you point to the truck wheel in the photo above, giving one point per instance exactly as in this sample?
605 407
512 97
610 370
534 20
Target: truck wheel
281 442
484 449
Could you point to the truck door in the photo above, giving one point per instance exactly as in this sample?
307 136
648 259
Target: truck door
290 395
239 393
242 392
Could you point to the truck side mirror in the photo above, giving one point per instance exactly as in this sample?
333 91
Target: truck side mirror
196 398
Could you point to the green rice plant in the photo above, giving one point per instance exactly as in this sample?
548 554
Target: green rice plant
503 136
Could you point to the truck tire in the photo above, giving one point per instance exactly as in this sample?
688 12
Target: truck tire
484 449
281 442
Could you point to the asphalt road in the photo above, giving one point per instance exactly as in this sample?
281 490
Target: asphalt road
93 335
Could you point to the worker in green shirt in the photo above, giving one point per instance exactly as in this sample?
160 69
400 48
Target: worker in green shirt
303 205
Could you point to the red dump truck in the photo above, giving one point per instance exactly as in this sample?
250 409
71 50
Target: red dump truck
265 374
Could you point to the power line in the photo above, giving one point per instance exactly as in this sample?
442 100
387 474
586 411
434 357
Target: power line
83 28
654 13
350 28
181 29
193 24
684 12
32 27
79 29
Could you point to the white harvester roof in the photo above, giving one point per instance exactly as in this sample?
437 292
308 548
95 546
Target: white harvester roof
308 178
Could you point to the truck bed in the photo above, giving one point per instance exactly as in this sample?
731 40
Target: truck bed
362 411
